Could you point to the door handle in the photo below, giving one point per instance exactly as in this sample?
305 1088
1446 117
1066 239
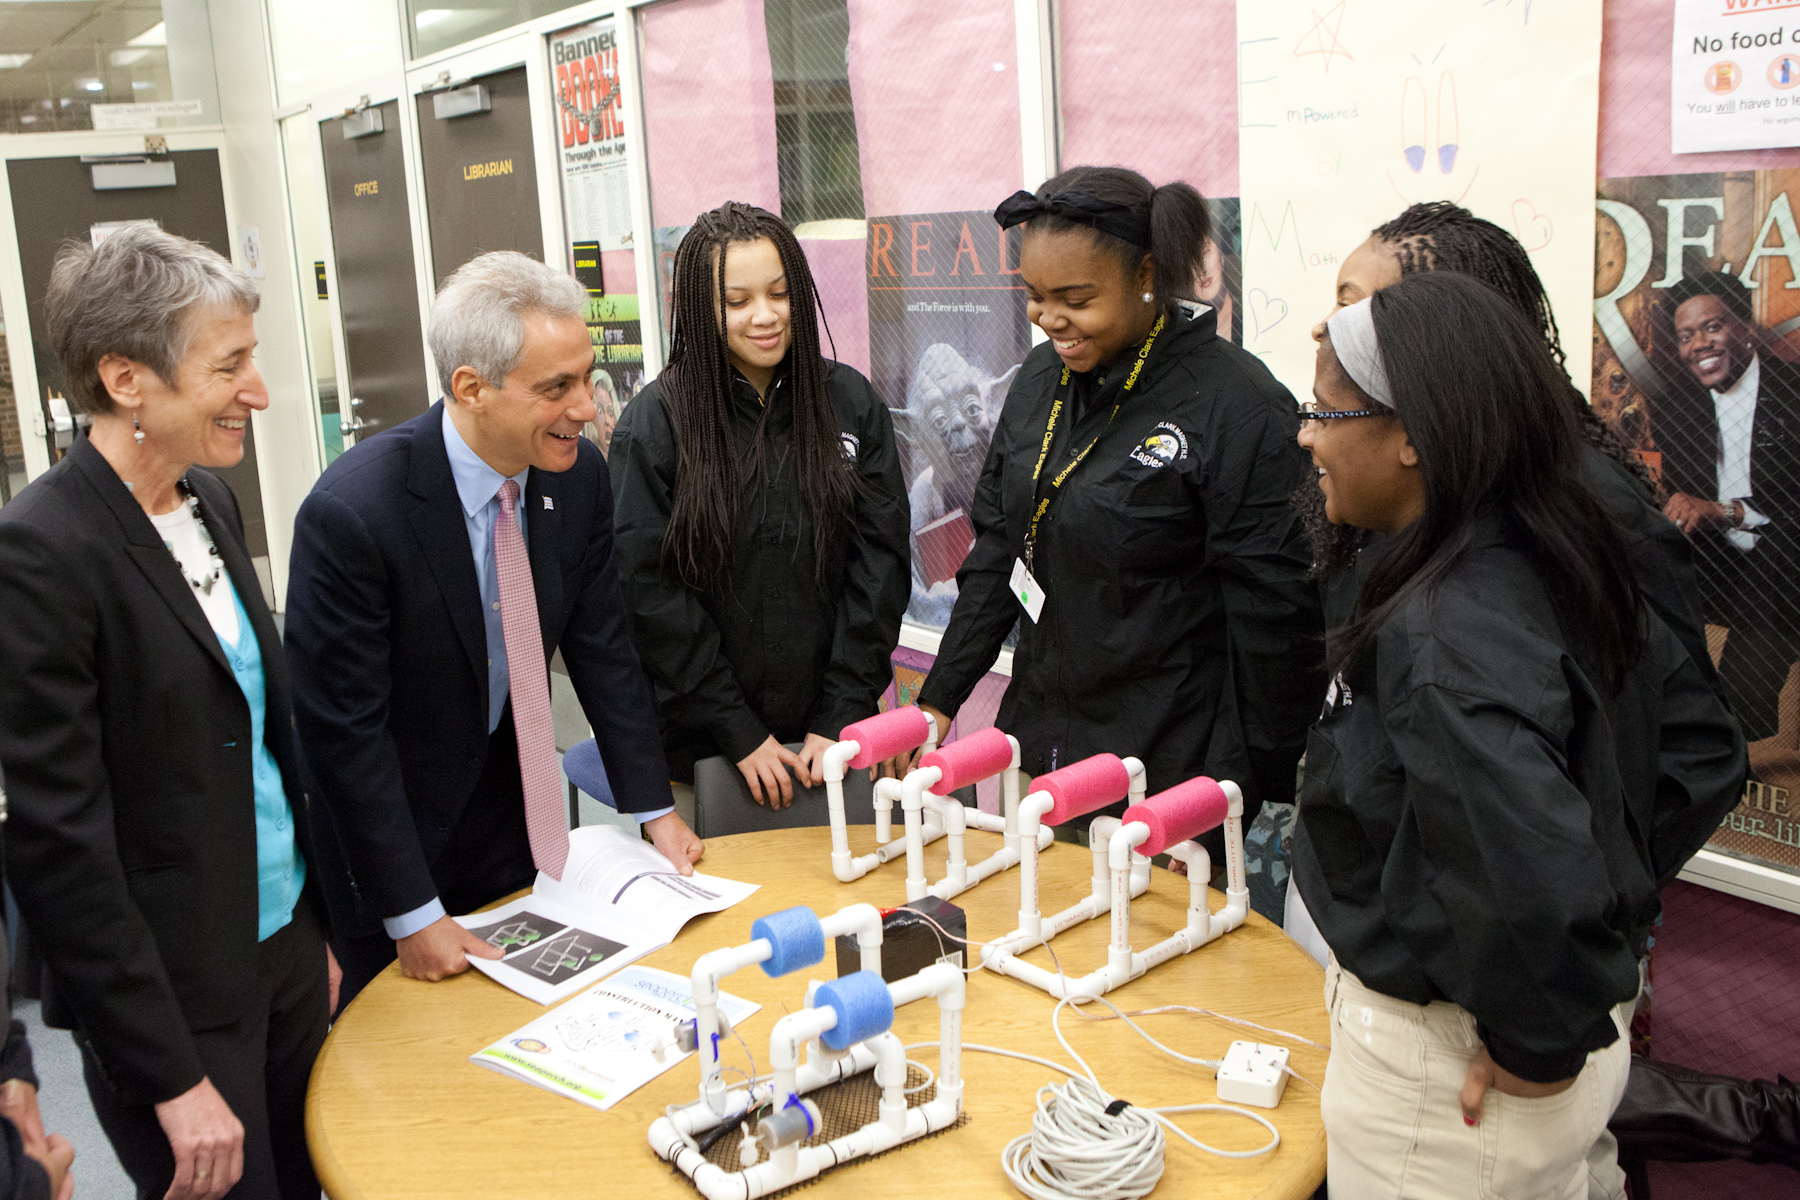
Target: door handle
355 423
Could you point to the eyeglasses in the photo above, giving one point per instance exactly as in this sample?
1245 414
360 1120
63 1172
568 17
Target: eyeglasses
1310 411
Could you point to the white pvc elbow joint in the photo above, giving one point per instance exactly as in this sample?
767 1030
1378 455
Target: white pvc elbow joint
918 782
837 759
1126 839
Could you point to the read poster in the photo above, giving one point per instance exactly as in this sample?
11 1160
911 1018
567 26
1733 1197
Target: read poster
1697 368
947 332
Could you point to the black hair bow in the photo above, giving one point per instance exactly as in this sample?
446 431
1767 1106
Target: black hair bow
1128 222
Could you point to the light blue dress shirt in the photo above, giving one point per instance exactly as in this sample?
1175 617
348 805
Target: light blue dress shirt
478 488
280 871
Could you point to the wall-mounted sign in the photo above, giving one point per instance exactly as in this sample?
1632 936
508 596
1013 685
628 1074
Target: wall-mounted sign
141 116
1734 77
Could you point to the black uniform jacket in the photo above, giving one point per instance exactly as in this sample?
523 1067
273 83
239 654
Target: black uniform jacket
1662 560
131 840
1480 823
389 650
1179 625
21 1177
781 649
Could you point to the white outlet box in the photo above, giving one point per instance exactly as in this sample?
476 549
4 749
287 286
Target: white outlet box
1254 1074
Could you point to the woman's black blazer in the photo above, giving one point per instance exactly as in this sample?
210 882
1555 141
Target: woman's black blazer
131 840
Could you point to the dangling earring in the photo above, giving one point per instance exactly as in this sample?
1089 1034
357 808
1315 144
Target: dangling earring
1149 297
136 433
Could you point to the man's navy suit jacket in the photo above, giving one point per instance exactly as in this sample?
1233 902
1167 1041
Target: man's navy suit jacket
389 656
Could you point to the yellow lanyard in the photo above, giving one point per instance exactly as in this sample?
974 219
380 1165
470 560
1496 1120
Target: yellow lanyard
1056 482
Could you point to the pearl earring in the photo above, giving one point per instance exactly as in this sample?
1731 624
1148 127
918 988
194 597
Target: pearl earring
136 433
1149 297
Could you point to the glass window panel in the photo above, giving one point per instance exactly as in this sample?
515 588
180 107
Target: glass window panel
59 60
435 25
815 123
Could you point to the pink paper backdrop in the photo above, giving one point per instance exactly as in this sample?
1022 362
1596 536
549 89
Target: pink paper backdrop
837 267
709 108
937 104
1634 100
1170 113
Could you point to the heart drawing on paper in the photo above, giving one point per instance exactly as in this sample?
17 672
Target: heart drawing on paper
1534 228
1266 311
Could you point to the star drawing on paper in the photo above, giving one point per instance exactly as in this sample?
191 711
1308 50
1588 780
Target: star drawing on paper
1323 36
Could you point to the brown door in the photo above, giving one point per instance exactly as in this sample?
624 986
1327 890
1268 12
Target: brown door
371 234
54 201
481 176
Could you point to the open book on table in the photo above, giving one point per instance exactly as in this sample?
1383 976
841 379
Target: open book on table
618 900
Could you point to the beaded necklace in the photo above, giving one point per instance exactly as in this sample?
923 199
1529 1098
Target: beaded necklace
204 584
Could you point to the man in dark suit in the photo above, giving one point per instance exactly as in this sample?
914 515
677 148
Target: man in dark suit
436 568
1731 465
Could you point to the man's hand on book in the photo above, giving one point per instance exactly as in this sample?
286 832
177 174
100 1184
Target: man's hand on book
440 950
675 841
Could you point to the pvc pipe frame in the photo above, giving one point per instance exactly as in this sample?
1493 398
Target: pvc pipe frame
863 920
1123 866
791 1164
1034 929
918 801
887 791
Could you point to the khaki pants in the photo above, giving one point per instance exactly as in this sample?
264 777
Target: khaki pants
1394 1124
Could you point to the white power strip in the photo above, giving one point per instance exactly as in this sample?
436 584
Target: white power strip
1253 1073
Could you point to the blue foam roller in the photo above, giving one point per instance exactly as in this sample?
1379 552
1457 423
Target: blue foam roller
797 939
863 1004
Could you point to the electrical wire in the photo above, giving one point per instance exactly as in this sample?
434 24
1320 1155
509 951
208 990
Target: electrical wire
1086 1144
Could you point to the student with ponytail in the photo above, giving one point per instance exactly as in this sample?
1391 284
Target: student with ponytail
761 518
1515 754
1132 516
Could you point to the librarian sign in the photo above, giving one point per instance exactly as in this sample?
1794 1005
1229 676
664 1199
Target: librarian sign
1734 81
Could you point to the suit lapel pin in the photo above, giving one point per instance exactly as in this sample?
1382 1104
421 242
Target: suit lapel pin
549 504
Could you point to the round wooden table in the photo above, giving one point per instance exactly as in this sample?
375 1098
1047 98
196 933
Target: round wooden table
397 1110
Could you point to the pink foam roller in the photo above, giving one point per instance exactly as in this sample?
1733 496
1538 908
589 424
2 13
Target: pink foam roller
884 735
1184 811
969 760
1084 786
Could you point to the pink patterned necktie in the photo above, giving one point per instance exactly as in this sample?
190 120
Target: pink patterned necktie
546 818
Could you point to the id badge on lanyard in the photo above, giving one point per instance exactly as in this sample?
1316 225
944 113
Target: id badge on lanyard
1025 587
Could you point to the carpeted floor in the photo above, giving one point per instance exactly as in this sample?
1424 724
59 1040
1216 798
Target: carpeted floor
1726 999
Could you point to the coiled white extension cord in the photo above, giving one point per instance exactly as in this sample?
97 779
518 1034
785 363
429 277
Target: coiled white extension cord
1086 1144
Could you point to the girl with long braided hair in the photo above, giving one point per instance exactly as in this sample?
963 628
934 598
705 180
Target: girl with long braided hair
761 519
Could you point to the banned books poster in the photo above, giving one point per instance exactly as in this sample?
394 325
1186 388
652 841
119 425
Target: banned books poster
947 333
592 156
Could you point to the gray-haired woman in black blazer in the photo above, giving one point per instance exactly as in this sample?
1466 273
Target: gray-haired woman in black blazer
157 836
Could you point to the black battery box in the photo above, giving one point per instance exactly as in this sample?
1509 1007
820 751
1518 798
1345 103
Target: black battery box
912 938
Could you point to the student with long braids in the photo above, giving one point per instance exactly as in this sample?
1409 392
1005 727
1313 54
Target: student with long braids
1440 236
1132 516
761 518
1472 837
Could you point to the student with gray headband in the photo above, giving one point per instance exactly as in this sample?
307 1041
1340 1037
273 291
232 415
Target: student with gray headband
1484 775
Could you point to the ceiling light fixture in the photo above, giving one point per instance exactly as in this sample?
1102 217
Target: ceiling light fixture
9 62
156 35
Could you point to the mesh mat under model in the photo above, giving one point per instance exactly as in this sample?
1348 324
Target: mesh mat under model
846 1106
